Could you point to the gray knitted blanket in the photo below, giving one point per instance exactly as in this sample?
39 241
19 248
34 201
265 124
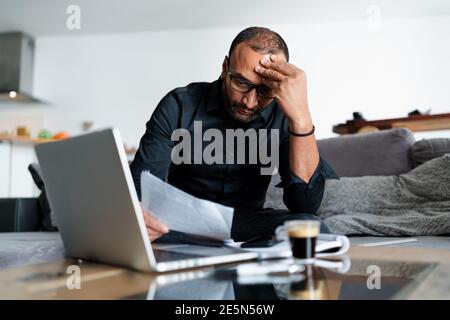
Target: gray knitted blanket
411 204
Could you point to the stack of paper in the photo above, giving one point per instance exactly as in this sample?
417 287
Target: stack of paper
182 212
327 245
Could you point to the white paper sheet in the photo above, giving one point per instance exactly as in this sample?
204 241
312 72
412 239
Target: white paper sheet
182 212
283 249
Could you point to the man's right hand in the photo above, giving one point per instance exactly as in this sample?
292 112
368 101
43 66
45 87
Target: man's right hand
155 228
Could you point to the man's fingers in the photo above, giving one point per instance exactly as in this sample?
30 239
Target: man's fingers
269 73
274 85
154 223
281 66
153 235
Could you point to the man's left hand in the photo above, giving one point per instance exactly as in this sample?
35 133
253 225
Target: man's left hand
289 86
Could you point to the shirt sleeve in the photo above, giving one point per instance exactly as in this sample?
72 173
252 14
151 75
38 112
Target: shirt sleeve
155 147
299 196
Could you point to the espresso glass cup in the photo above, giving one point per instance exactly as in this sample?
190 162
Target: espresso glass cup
302 235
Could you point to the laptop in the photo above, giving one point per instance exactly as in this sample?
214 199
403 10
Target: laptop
92 196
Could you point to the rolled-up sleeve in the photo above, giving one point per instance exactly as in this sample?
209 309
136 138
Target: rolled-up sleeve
299 196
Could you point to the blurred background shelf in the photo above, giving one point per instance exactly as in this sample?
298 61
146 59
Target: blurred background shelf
415 123
25 139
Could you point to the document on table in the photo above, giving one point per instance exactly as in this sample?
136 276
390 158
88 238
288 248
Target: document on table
327 245
185 213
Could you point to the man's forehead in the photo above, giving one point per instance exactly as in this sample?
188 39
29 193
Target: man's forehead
244 59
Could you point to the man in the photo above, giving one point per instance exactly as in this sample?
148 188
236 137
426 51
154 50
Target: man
257 89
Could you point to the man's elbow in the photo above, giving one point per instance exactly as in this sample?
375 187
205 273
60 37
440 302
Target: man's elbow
307 208
301 202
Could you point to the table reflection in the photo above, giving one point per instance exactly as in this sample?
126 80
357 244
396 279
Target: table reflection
325 280
313 286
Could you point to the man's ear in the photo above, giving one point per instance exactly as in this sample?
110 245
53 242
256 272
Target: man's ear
224 68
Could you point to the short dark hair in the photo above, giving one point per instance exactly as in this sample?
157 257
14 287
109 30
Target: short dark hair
261 39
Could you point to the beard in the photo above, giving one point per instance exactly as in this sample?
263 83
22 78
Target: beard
232 108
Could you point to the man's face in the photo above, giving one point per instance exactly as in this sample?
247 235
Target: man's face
243 106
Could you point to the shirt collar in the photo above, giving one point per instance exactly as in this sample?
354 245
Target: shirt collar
215 101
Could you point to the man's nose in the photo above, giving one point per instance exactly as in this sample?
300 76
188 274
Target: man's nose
251 99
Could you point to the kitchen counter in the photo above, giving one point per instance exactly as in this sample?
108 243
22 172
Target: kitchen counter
24 139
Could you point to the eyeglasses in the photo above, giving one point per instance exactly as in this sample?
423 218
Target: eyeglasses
241 85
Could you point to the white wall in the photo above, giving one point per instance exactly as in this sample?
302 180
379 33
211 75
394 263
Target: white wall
118 79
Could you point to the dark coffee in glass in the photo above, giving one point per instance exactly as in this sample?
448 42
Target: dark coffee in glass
302 237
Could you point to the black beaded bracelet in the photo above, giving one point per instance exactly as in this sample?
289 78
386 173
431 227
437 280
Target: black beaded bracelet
302 134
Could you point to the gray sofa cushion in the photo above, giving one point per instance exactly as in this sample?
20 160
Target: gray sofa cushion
384 152
414 203
428 149
274 195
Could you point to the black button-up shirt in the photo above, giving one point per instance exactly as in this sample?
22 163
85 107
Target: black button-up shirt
241 186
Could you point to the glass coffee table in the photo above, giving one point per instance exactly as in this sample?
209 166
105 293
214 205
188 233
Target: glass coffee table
327 280
366 273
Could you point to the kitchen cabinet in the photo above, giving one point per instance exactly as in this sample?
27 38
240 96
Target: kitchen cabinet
15 179
5 155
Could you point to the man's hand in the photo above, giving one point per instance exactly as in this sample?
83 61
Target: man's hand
289 85
155 228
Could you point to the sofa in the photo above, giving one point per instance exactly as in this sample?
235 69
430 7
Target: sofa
25 239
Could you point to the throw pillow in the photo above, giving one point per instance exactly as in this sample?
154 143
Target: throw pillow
428 149
385 152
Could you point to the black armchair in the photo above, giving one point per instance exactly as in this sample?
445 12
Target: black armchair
20 214
27 214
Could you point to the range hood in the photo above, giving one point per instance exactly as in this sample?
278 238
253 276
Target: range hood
16 67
